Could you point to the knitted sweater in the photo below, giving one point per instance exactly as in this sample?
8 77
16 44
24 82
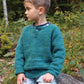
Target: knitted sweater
40 50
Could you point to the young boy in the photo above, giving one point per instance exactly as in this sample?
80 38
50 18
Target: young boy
40 50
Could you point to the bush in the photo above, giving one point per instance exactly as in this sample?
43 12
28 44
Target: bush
6 44
71 25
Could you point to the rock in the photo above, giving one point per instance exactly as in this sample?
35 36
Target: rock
79 76
67 79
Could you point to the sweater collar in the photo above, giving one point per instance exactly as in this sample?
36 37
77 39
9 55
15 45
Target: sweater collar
43 25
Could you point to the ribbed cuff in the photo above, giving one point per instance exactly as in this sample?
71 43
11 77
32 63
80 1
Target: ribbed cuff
17 71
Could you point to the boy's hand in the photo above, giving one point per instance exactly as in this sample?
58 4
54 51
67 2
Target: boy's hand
20 78
48 77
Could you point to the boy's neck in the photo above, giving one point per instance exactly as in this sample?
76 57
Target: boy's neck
41 20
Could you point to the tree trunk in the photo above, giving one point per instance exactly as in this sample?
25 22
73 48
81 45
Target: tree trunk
5 12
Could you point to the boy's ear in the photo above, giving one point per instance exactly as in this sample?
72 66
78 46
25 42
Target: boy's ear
41 10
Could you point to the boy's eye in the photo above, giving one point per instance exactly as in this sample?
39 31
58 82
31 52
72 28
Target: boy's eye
28 9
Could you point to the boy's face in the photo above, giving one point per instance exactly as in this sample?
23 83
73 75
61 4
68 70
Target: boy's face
31 12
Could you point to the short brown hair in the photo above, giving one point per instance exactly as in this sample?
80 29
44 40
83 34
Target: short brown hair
38 3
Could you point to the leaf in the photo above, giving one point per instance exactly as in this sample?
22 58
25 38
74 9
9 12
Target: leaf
79 66
82 71
9 54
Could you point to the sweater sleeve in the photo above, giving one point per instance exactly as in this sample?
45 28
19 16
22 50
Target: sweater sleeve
19 58
58 53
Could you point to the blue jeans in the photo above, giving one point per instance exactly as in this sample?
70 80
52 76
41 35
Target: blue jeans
38 80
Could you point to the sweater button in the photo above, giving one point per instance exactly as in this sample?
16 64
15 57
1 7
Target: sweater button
36 30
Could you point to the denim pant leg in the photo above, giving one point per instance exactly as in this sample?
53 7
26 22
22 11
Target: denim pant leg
29 81
40 81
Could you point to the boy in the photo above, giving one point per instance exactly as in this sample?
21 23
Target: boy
40 50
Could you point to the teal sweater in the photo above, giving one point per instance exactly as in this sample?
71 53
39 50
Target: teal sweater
40 50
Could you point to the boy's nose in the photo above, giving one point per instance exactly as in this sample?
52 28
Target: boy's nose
25 12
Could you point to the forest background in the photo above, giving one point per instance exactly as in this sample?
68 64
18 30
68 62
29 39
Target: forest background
67 14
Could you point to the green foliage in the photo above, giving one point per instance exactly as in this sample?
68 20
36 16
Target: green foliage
74 51
5 42
59 17
68 19
73 33
1 9
71 24
9 54
15 9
